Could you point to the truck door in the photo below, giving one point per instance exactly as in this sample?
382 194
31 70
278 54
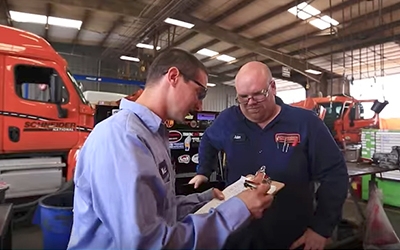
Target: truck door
1 97
33 122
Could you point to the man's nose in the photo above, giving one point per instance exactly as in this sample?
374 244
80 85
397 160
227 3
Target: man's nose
251 101
199 106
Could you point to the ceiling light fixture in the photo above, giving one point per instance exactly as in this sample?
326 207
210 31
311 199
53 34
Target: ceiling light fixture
65 22
211 84
146 46
314 72
207 52
226 58
27 17
23 17
129 58
179 23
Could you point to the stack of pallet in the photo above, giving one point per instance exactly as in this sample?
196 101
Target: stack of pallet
378 140
368 142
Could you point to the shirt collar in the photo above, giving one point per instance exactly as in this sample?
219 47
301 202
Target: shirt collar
148 117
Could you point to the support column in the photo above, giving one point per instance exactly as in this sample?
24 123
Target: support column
338 86
315 89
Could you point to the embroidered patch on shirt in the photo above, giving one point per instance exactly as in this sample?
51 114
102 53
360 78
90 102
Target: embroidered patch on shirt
163 169
290 138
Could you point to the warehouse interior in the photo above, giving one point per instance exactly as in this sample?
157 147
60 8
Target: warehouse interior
314 49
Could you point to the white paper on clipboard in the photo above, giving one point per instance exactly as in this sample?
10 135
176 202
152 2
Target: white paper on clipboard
229 192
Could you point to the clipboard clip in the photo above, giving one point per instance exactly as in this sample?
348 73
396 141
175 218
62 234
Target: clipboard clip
266 179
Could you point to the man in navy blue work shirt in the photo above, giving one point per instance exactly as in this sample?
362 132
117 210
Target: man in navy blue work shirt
124 179
296 148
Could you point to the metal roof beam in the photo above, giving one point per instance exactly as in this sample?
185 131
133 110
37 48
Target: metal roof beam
240 41
119 21
126 8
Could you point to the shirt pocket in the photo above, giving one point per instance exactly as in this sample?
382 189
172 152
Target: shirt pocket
292 162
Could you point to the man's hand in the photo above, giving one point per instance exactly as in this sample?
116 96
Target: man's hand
257 200
198 180
310 240
217 194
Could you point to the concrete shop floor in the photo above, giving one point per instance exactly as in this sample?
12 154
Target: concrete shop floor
31 237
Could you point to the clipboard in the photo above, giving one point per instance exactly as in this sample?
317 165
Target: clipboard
233 190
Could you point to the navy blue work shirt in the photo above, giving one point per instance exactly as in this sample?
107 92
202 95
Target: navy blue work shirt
311 156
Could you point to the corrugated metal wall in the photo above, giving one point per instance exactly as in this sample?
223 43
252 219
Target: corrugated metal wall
110 87
84 60
219 98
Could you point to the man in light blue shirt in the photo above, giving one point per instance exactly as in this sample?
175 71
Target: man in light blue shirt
125 182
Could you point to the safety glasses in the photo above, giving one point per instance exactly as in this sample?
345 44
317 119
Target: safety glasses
257 97
202 93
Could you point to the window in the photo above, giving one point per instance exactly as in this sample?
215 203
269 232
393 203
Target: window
33 83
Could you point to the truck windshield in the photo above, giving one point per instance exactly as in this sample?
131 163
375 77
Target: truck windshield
77 88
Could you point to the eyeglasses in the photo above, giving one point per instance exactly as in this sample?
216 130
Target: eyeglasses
257 97
202 93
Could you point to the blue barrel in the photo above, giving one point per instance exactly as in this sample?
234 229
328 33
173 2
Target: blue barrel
56 220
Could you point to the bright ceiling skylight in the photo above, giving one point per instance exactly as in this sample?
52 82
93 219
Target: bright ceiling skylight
314 72
27 17
324 22
146 46
129 58
207 52
330 20
304 11
225 58
179 23
64 22
42 19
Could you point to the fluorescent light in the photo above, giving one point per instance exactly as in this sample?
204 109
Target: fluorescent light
312 71
211 84
64 22
128 58
304 11
179 23
330 20
225 58
27 17
146 46
207 52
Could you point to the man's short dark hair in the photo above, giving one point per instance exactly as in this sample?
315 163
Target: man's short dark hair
186 62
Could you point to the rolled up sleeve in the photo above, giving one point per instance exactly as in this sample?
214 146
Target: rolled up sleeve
126 191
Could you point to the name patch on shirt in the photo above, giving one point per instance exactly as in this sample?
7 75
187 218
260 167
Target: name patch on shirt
238 137
163 169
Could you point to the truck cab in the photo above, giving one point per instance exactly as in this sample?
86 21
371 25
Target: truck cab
44 116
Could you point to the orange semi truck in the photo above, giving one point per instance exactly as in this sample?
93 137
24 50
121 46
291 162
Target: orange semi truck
44 116
344 116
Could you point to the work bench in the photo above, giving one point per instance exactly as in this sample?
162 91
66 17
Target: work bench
358 170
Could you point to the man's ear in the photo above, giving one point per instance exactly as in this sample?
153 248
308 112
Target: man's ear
173 76
273 87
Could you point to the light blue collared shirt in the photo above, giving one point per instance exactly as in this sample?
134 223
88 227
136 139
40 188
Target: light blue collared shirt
125 191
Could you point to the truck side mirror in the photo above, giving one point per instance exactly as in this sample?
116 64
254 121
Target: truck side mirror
377 107
56 95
